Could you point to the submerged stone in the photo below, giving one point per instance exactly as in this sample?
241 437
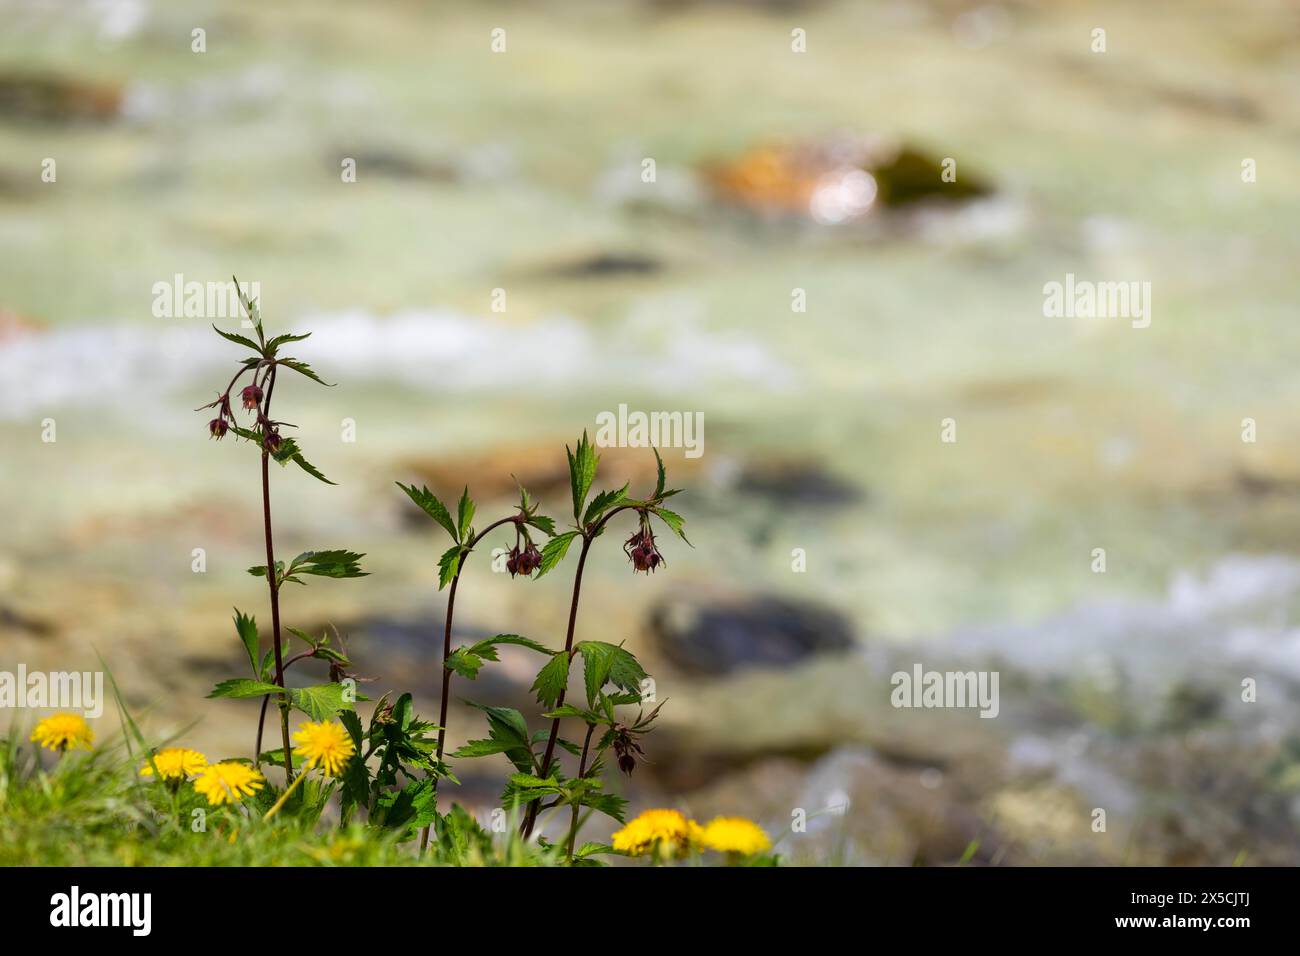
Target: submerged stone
714 637
48 98
839 181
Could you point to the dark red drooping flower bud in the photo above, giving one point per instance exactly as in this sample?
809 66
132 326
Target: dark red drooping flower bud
272 441
626 748
251 396
217 428
523 560
530 560
642 551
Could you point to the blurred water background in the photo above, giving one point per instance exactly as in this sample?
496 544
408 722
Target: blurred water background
775 171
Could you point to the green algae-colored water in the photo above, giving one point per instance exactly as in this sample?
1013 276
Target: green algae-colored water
479 171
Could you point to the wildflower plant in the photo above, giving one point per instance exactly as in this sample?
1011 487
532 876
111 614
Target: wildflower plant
612 676
523 558
322 701
386 771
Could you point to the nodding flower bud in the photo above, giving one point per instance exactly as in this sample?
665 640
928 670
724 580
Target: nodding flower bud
626 748
641 549
217 428
272 441
524 560
251 396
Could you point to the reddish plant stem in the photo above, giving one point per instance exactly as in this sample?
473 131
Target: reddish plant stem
588 536
261 717
272 581
582 772
446 653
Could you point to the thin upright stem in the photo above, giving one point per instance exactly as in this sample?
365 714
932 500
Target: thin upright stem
284 797
446 653
261 717
273 583
582 772
588 536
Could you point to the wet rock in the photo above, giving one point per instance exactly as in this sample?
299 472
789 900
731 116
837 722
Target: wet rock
13 619
852 807
393 164
909 176
602 265
45 98
837 181
796 483
715 637
405 653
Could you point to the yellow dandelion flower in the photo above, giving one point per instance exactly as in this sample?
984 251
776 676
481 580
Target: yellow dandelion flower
175 763
735 835
326 744
63 732
666 833
227 782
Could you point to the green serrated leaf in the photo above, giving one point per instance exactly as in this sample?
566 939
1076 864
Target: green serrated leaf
238 339
555 550
464 662
259 570
480 647
352 721
329 654
507 726
602 503
285 339
449 565
321 702
609 804
608 663
302 635
428 502
582 472
663 475
569 710
673 520
252 308
284 454
311 469
303 368
483 748
276 758
464 514
552 679
528 781
246 628
328 564
241 687
543 524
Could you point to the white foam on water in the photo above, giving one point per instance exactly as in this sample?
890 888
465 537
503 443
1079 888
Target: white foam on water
439 351
1233 615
